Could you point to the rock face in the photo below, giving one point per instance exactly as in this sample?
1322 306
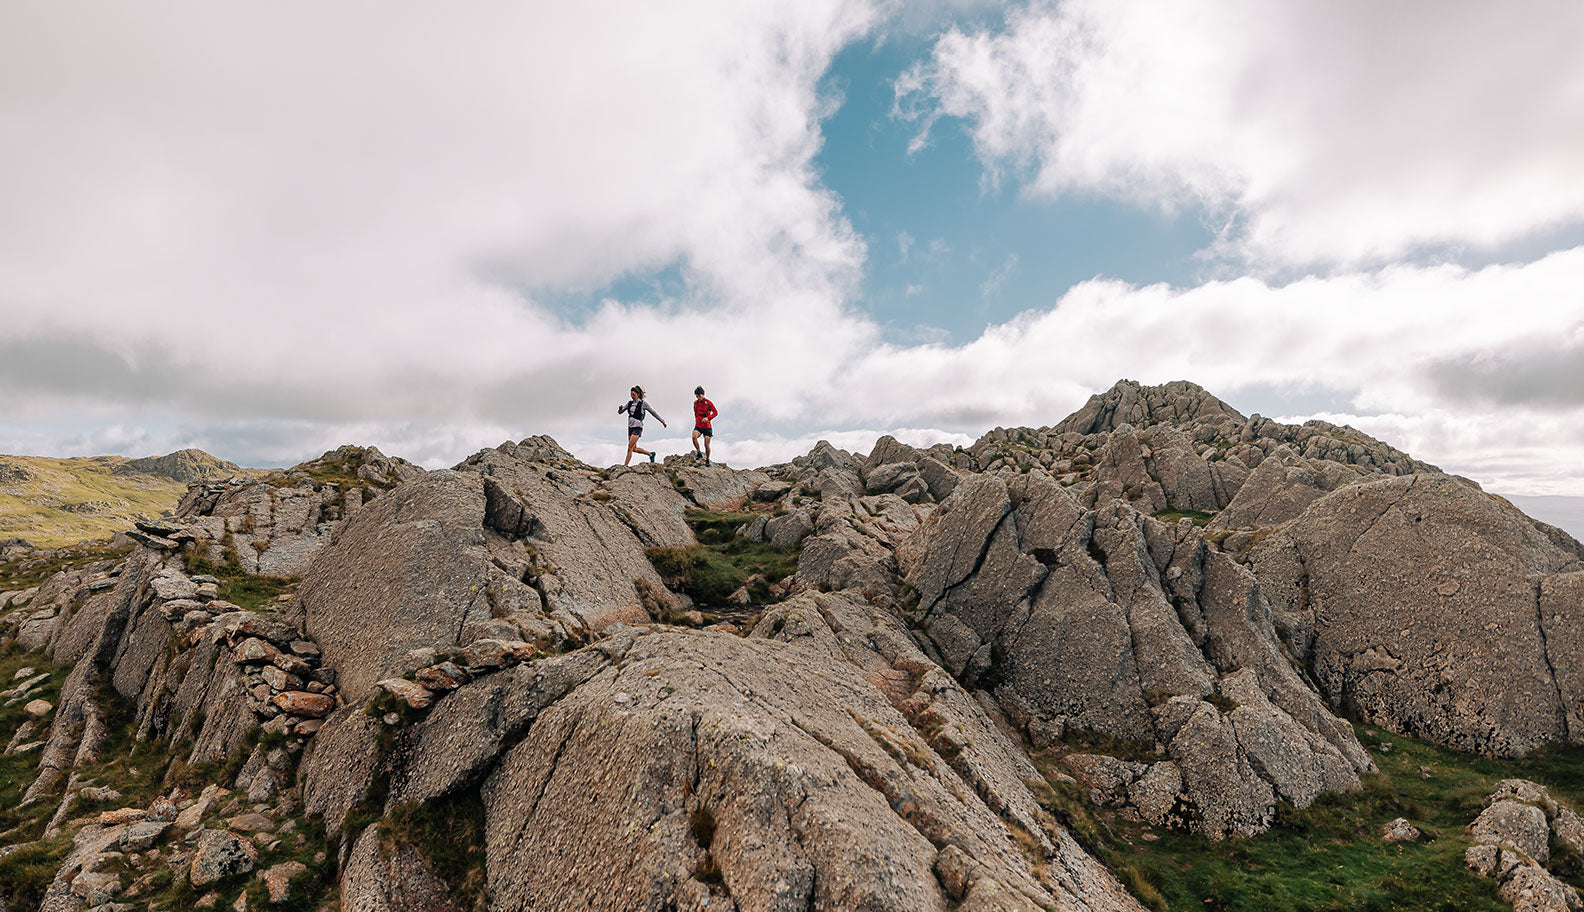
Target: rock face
1159 599
1110 622
1433 608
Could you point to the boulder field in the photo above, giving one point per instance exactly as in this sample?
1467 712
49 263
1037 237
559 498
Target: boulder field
1158 602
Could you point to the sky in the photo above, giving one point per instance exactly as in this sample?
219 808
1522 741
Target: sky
268 230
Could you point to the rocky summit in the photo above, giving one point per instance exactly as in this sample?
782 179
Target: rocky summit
913 679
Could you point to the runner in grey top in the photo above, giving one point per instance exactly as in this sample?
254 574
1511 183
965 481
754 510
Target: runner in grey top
636 408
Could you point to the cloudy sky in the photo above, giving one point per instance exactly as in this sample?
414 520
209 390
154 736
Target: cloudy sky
268 229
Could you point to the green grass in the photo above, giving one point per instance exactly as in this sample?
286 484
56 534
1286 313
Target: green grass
450 834
237 586
25 874
721 563
1200 518
34 508
1330 857
718 527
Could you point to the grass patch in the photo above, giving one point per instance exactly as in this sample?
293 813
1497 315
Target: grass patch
60 502
722 563
237 586
26 873
17 771
711 574
450 834
1200 518
1329 857
717 527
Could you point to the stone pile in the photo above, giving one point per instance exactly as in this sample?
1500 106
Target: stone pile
1512 844
431 675
119 857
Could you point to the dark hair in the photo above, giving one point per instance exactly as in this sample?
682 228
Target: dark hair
639 391
698 390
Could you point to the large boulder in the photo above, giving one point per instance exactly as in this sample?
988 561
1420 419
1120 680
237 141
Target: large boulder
506 538
1435 609
409 571
791 768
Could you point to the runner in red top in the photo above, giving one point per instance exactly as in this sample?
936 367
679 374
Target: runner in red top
703 411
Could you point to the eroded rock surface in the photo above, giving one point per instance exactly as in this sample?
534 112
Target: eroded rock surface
1158 598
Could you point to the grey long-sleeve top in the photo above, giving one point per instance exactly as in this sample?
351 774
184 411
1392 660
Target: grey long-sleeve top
635 409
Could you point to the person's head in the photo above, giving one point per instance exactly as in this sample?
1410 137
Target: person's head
637 392
698 391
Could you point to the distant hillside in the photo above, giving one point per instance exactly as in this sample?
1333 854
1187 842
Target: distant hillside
53 502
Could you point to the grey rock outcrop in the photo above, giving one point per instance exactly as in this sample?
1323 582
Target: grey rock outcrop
1434 609
963 625
1512 838
1108 621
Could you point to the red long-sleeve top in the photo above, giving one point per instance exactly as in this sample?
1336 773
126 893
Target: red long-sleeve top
703 411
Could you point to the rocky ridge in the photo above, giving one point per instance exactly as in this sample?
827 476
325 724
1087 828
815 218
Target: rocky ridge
1158 603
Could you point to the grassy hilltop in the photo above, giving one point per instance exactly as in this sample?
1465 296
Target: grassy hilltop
54 502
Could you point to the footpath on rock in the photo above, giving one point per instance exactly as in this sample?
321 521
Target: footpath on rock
1079 667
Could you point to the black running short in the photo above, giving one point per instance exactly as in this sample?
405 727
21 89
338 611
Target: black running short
707 432
634 430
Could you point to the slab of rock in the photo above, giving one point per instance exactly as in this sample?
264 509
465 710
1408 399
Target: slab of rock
254 650
219 855
786 531
442 677
250 823
771 491
415 695
279 680
1400 830
193 814
776 738
492 653
96 889
1426 598
140 837
302 703
277 879
120 816
393 879
1512 824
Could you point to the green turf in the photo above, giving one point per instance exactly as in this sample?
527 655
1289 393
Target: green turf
721 563
1199 517
1330 856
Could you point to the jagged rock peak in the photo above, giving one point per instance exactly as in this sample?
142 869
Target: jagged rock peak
538 448
352 464
183 465
1130 402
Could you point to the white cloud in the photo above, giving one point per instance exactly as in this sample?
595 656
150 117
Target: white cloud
992 284
1381 340
272 231
1326 132
904 244
343 214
